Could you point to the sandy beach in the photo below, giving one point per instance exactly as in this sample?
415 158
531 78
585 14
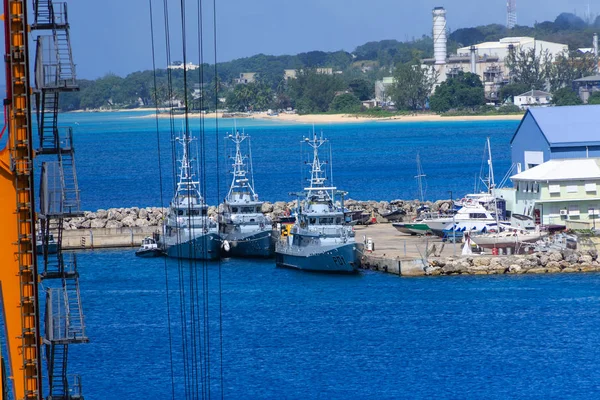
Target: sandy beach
347 118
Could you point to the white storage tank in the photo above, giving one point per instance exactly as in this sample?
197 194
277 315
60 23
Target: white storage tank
439 35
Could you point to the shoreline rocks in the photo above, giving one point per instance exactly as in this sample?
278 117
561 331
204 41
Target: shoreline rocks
538 263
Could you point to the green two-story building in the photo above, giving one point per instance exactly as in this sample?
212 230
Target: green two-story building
564 192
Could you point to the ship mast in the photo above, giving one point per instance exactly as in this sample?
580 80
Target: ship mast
240 184
187 187
492 186
419 177
317 171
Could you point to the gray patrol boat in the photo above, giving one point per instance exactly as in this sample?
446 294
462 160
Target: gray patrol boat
188 232
245 230
320 239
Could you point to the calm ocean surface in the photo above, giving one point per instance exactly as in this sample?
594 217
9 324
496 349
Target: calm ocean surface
288 334
117 157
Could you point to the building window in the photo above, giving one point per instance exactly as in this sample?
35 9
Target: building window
574 210
553 189
571 188
590 187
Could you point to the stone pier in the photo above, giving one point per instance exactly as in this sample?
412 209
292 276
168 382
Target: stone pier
406 255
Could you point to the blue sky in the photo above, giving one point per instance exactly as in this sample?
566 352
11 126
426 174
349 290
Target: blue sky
114 35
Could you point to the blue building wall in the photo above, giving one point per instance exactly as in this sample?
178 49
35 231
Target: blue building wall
576 152
528 137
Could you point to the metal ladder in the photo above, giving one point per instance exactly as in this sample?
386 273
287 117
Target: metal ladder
44 12
57 374
64 56
53 262
75 323
70 189
48 122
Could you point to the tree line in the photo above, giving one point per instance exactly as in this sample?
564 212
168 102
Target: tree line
312 92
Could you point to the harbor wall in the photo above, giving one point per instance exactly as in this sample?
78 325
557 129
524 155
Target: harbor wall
99 238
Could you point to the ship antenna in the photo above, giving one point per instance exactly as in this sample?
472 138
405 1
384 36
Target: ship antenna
251 164
330 169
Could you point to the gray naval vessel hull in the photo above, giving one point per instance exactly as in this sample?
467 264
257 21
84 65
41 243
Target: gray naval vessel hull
337 258
252 244
202 247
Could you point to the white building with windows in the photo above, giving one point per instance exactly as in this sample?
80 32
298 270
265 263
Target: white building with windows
533 98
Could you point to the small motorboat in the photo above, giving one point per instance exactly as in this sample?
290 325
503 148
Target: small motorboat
395 215
149 248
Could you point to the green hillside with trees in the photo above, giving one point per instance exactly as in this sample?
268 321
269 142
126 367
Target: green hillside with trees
354 77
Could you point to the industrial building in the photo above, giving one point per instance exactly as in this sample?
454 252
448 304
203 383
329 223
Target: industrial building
485 59
563 192
548 133
586 86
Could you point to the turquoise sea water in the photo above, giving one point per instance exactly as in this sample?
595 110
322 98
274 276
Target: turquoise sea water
293 335
117 157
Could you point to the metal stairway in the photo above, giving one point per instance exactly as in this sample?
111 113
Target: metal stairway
57 374
70 189
53 263
66 67
59 197
48 122
75 322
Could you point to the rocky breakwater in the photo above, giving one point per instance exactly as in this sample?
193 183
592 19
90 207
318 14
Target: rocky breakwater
132 217
375 208
115 218
538 263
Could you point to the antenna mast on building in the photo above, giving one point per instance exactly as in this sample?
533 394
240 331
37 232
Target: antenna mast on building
511 14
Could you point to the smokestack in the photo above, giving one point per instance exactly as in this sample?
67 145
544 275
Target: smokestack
439 35
473 49
596 52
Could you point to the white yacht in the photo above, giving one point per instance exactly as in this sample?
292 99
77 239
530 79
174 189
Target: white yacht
468 219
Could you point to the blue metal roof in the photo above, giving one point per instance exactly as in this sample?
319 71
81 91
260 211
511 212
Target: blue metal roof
567 126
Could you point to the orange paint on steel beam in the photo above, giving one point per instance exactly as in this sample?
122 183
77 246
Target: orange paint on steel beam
18 275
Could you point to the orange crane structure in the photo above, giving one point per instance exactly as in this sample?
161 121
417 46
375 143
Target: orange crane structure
22 363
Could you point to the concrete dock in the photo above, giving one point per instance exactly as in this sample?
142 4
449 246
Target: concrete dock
399 253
